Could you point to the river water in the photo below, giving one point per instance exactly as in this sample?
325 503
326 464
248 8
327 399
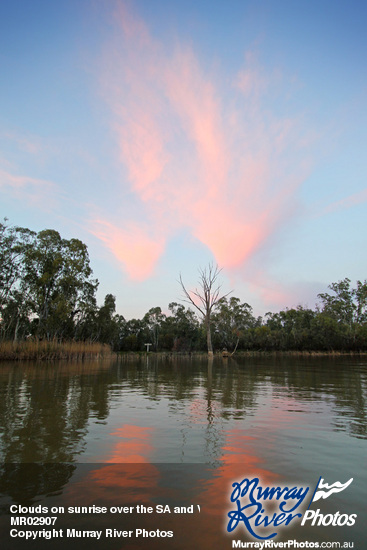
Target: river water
179 432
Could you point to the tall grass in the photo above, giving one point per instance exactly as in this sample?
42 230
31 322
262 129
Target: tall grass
50 350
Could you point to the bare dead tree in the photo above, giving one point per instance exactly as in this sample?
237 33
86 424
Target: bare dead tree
207 297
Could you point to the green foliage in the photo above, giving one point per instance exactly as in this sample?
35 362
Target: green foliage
232 321
290 329
15 306
47 293
347 305
57 277
153 321
183 327
45 283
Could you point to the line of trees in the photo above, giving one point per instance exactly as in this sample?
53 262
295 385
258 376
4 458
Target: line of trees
47 291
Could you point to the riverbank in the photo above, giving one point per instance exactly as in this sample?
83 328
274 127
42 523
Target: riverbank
51 350
249 353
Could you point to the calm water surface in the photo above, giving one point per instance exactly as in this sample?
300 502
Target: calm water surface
281 420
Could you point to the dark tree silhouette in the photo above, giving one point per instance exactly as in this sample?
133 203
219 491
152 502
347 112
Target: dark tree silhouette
208 296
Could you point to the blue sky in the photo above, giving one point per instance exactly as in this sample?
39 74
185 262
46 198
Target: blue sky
169 134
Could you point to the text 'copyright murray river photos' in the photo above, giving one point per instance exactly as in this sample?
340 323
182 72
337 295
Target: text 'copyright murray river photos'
25 519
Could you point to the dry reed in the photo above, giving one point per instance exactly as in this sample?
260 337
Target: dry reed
51 350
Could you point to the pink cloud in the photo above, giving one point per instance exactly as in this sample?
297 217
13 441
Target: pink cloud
142 151
137 251
29 144
251 80
194 100
20 182
200 152
26 188
272 292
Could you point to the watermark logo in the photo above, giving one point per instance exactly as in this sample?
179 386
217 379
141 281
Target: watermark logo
316 518
323 490
259 508
250 498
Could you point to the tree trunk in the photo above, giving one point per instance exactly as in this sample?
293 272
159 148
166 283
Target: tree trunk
15 340
233 352
209 337
208 297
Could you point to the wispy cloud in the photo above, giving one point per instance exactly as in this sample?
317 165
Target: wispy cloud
347 202
35 191
26 143
201 149
133 247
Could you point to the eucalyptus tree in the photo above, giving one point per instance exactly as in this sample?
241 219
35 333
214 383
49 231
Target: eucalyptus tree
109 326
58 281
14 302
183 325
133 339
85 318
340 305
153 320
232 320
205 297
16 317
291 328
360 297
347 309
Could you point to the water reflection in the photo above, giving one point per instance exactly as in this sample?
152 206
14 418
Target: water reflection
44 411
147 422
75 412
